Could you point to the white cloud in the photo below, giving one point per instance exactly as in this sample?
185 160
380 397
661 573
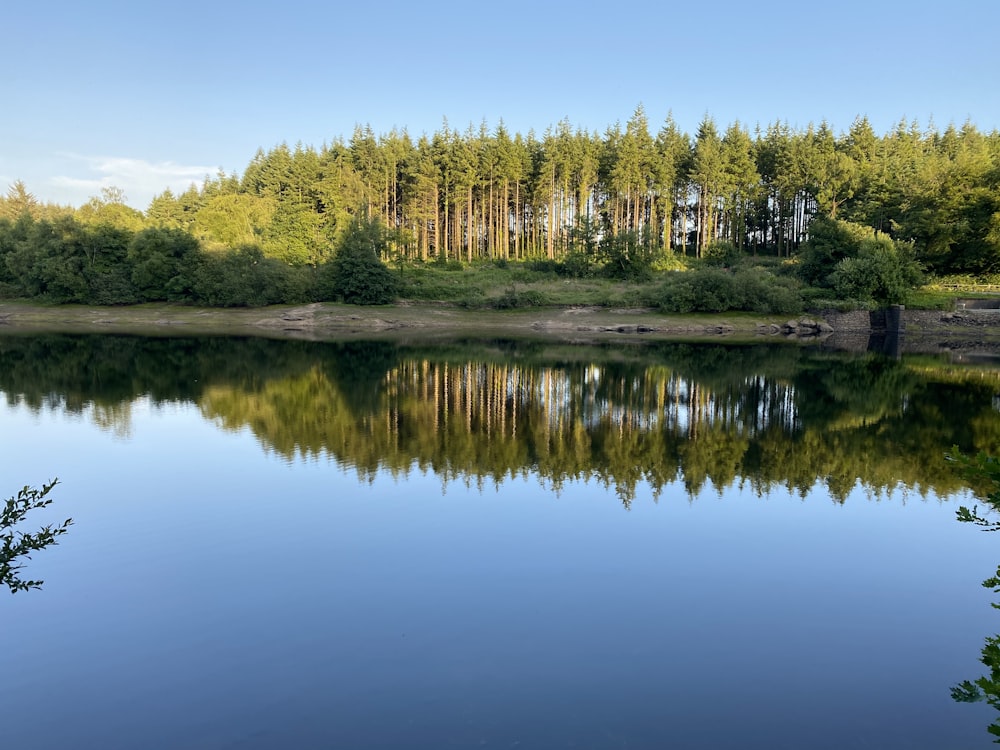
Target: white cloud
139 179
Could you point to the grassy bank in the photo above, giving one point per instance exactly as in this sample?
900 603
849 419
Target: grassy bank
529 299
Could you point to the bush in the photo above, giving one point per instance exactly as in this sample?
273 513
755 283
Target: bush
883 272
699 291
239 278
714 291
627 257
577 265
297 284
722 254
830 241
356 275
513 299
763 293
430 283
440 261
163 264
543 265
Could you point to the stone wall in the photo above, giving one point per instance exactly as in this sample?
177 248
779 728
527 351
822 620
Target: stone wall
930 319
856 320
910 320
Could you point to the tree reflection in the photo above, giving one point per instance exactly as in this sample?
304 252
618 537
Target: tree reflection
703 415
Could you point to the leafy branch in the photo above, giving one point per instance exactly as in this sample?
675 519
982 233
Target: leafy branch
17 546
982 468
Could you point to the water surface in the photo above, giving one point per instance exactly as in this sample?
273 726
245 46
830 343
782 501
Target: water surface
490 544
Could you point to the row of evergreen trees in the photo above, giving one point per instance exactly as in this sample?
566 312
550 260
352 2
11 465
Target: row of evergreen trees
482 194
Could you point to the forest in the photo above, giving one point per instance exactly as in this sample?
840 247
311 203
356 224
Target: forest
855 215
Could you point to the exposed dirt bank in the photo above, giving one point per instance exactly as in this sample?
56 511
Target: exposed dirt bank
331 321
927 330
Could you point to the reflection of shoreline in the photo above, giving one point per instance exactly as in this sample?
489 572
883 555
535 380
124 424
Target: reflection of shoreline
704 414
637 425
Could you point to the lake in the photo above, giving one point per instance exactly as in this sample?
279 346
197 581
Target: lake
491 543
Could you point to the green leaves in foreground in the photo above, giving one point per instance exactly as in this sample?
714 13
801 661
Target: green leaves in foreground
984 471
18 545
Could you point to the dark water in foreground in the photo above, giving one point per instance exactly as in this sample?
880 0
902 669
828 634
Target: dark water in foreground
490 544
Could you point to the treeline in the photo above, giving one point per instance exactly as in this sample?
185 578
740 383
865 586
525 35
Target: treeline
488 194
64 260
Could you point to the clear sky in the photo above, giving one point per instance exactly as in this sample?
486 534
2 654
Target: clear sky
145 96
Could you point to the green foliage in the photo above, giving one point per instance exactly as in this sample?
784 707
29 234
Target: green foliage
700 291
240 278
986 687
983 471
577 265
232 219
585 251
713 290
445 264
624 205
627 256
830 241
722 254
357 274
668 261
513 298
294 236
163 262
107 269
66 261
883 271
543 265
17 545
857 263
429 281
926 298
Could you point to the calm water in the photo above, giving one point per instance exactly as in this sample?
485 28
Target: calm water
490 544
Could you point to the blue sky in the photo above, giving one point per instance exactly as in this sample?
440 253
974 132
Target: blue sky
148 97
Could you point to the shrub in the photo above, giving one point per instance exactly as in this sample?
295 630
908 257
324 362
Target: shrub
356 275
722 254
626 256
239 278
512 299
830 241
543 265
763 293
699 291
577 265
883 272
713 290
442 262
163 263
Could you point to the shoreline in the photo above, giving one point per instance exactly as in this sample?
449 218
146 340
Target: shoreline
323 320
319 321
